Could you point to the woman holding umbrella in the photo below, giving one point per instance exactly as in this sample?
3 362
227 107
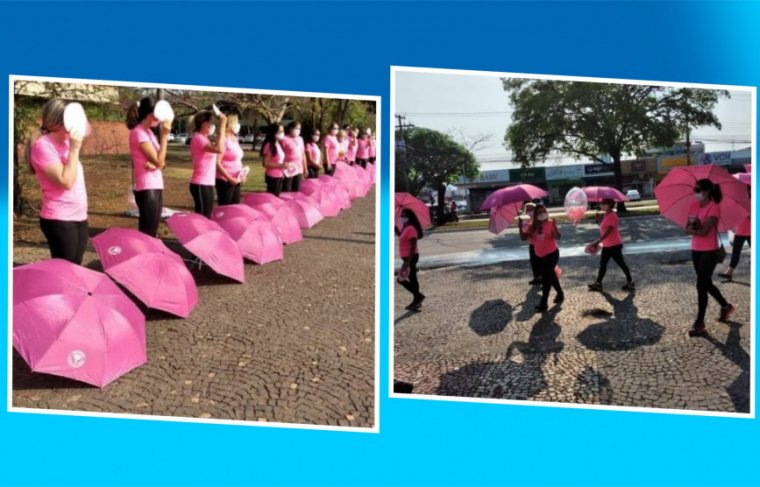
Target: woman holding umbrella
612 246
204 154
409 234
702 225
544 233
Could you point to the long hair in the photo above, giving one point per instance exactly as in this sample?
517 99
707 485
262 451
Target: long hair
535 222
200 118
271 139
52 117
138 111
289 128
413 220
714 189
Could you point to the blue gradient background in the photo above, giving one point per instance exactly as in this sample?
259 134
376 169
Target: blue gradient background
421 442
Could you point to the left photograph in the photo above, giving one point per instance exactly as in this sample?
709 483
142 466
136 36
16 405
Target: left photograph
177 253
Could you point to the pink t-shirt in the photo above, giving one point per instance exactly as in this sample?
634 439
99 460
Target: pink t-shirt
58 203
277 159
405 240
204 162
372 148
332 146
232 158
293 153
526 227
343 148
544 243
709 241
611 220
313 150
362 149
744 228
142 177
352 148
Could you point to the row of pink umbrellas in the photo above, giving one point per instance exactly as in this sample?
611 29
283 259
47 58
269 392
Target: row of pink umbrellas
75 322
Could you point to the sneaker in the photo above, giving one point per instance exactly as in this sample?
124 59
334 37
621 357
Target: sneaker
724 275
698 330
559 298
542 307
595 287
535 282
629 286
726 311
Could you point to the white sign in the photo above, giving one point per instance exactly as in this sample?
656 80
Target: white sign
499 176
718 158
564 172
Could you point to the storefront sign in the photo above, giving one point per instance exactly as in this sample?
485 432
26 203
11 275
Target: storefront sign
665 164
718 158
598 170
527 175
567 173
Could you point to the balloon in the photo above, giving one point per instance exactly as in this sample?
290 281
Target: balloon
75 120
163 111
576 204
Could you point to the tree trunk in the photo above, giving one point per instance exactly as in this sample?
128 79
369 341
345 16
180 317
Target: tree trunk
617 167
441 203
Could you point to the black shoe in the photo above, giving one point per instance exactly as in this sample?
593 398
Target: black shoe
559 298
724 275
535 282
595 287
413 304
542 308
726 312
698 330
629 286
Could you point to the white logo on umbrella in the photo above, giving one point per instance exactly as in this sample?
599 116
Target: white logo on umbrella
115 250
219 214
76 359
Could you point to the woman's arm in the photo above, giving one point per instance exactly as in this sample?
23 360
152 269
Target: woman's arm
157 160
606 234
218 148
64 175
703 229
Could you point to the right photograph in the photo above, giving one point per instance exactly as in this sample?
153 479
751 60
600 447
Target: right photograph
573 241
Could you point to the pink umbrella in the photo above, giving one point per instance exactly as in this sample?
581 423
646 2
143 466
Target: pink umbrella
502 217
327 202
407 201
209 242
338 189
748 168
675 194
310 186
258 239
362 181
287 224
595 194
371 170
74 322
236 211
512 194
154 274
744 177
347 177
254 199
306 213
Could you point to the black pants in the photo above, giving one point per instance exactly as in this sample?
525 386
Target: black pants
412 285
203 196
362 163
549 278
274 185
313 172
704 264
371 160
294 183
534 266
615 253
329 171
150 202
227 193
736 251
67 240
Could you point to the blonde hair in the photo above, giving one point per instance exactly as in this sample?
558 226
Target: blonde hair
232 119
52 118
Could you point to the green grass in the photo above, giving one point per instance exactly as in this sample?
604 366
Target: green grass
179 166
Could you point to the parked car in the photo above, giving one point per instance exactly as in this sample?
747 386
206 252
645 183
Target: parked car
179 138
633 195
171 136
247 139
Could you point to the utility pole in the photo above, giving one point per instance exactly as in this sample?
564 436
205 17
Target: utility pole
401 119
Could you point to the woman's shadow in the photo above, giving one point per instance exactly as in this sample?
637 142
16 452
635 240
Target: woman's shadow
624 330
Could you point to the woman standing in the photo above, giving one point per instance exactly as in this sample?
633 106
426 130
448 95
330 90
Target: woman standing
53 156
742 234
409 235
702 225
342 146
204 155
524 230
313 154
273 159
362 150
229 165
544 233
148 162
372 148
292 145
352 146
331 147
612 246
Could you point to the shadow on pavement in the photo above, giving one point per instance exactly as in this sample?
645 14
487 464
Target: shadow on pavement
404 316
733 351
624 330
491 317
527 307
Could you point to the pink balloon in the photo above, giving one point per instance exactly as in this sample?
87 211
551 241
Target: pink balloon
575 213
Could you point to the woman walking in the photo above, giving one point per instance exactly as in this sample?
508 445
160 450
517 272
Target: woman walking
544 233
524 230
612 246
742 234
702 225
409 235
204 154
229 165
313 154
53 156
273 157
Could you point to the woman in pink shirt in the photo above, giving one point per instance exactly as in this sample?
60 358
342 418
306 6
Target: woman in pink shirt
372 148
523 229
229 164
702 225
148 162
352 146
362 150
612 247
204 154
331 147
408 236
295 160
53 156
273 159
742 234
544 234
342 146
313 154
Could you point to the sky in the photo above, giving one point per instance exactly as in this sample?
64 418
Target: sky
469 106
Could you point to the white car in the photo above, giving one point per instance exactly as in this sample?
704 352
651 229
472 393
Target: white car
633 195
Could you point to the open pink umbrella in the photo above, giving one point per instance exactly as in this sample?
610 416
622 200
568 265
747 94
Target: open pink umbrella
502 217
327 202
372 171
209 242
258 239
407 201
338 190
363 183
254 199
74 322
347 177
675 194
310 186
512 194
744 177
287 224
307 213
154 274
236 211
595 194
748 168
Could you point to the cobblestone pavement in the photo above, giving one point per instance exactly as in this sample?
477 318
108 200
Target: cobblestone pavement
478 336
294 344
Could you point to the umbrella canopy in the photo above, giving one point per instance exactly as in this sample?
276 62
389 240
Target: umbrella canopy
258 239
334 186
748 168
237 211
210 243
287 224
310 186
512 194
675 194
407 201
363 184
74 322
595 194
254 199
372 174
327 202
744 177
347 177
307 213
154 274
502 217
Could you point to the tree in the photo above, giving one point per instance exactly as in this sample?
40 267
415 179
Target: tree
585 119
434 159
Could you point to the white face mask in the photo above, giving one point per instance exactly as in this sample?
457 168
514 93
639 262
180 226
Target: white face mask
403 221
296 132
280 135
699 196
333 131
212 130
543 217
236 128
315 138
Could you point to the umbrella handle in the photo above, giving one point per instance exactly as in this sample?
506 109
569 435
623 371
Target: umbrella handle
195 261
